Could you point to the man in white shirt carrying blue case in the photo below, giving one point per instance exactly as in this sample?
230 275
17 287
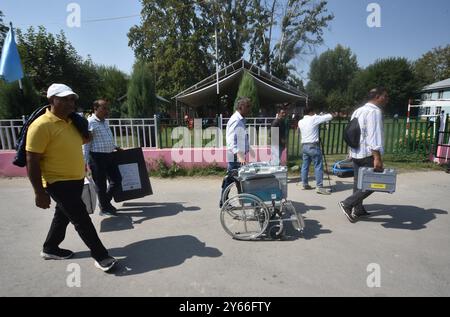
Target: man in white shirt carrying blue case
370 149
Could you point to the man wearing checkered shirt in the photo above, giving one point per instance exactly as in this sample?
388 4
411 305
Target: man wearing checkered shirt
98 156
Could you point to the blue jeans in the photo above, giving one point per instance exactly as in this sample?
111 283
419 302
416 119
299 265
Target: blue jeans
312 152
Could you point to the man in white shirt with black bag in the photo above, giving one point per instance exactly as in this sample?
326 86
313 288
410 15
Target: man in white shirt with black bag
370 149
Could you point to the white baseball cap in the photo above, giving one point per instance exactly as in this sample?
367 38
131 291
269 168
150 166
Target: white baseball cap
60 90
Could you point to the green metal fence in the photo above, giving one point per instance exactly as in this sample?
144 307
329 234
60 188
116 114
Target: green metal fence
398 139
418 140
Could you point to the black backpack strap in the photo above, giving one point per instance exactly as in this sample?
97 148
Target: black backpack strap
20 159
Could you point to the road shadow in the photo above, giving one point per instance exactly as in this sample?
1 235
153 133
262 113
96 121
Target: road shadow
341 186
312 230
293 180
301 207
136 213
155 254
401 216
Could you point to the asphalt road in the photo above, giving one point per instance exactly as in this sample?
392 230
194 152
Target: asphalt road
172 244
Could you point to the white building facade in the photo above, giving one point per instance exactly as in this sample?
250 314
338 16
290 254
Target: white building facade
435 98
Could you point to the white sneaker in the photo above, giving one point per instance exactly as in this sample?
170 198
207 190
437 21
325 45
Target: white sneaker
323 191
106 264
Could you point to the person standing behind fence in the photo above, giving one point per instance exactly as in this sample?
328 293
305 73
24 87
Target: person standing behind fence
98 156
56 169
370 150
237 140
309 128
279 144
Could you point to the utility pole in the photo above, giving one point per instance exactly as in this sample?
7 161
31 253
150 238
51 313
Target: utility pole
217 62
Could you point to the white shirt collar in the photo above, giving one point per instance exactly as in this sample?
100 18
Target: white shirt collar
371 105
238 114
97 118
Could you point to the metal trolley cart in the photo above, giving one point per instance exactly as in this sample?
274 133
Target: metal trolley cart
255 204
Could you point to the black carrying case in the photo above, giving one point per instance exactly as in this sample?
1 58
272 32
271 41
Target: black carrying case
135 181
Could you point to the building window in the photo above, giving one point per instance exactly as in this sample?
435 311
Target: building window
435 95
438 111
446 95
441 95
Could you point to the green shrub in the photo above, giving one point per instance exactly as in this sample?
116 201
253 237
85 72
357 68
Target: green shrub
162 169
247 88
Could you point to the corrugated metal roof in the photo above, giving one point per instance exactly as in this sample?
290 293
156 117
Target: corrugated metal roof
439 85
271 90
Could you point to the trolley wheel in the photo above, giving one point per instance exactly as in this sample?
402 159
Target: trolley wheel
296 217
244 217
230 191
275 232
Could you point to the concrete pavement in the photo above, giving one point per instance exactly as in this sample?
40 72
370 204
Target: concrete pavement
172 244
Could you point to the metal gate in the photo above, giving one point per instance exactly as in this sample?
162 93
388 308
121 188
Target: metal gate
442 143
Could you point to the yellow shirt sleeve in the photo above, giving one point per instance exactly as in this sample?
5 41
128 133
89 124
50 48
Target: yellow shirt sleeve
37 138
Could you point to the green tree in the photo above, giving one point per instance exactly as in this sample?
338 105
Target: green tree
174 36
113 85
48 59
338 101
141 97
316 94
177 37
334 69
14 103
232 20
86 82
3 30
433 66
261 21
330 75
247 88
395 74
302 28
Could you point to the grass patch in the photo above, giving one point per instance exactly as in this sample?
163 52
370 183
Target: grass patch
400 162
175 170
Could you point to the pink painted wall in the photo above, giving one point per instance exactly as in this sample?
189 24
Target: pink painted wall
188 158
442 151
7 169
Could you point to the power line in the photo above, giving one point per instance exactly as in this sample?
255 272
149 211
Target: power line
110 19
181 6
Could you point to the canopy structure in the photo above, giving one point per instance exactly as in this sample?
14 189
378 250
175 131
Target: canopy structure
271 90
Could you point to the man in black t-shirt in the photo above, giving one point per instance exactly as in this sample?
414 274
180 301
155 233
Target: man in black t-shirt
278 147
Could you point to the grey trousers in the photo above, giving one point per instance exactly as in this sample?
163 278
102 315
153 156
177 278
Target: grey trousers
356 200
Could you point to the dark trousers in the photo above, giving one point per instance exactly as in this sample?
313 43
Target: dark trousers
103 170
356 200
228 179
70 208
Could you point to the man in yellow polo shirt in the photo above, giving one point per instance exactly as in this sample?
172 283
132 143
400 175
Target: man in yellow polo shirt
56 169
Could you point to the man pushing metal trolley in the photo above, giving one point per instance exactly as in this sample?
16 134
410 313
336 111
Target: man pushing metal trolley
257 207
